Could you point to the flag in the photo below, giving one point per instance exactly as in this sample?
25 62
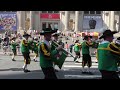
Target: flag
61 56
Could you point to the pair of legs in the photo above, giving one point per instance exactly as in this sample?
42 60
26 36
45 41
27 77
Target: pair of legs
86 60
49 73
5 49
109 74
14 54
36 55
71 50
26 61
77 55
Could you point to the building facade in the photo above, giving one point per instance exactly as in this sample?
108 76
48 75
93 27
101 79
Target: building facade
76 21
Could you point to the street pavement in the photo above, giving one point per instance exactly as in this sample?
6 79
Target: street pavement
13 69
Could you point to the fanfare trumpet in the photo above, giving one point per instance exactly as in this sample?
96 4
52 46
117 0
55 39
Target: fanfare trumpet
63 49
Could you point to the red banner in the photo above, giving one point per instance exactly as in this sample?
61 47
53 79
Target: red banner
49 16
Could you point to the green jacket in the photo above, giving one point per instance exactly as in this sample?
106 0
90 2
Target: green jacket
25 46
85 47
106 59
46 55
77 47
13 45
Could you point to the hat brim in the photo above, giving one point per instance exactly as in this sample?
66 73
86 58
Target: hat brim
55 34
50 32
27 35
86 37
13 38
103 36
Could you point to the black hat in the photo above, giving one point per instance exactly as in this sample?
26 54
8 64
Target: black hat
86 37
107 33
26 35
118 38
48 30
56 34
13 38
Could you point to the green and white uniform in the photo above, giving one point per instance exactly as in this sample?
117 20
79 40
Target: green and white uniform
46 55
106 59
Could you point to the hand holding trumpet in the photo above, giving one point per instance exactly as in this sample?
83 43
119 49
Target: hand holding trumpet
59 48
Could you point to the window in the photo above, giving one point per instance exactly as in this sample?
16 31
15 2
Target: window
56 11
92 12
44 11
98 12
50 11
86 12
43 25
55 25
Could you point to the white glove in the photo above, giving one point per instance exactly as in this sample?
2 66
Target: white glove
59 48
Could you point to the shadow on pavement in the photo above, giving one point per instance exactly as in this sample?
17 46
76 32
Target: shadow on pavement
12 69
34 74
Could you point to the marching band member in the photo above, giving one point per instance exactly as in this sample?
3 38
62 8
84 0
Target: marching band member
77 48
13 45
47 55
86 58
108 55
35 45
25 47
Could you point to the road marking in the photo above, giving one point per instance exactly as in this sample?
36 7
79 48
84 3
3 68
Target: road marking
71 66
82 76
78 66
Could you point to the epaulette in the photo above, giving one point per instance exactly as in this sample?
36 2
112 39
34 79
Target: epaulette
114 47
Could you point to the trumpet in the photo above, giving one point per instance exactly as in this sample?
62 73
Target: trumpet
66 51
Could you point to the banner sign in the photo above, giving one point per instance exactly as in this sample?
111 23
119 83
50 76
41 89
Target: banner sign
92 22
49 16
8 21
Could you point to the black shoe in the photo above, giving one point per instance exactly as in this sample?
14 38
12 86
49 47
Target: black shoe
77 62
56 70
34 60
84 72
26 70
13 60
75 58
90 73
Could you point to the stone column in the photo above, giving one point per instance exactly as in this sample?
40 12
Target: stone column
103 15
80 18
112 20
76 21
66 20
52 25
23 19
119 22
31 20
20 20
39 28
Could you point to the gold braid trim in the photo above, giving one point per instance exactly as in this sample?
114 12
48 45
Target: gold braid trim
24 42
89 44
46 53
109 49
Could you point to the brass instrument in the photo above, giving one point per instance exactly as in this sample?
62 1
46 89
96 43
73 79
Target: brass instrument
65 50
